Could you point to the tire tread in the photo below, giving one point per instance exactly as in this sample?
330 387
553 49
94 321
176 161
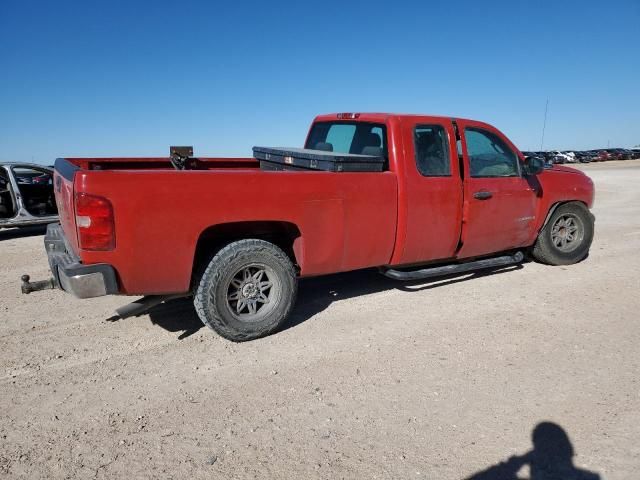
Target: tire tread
544 252
215 270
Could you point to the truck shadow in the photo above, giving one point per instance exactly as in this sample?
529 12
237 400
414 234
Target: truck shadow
176 316
315 295
12 233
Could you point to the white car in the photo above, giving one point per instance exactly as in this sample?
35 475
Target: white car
561 157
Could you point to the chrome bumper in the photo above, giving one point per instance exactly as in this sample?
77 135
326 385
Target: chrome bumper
83 281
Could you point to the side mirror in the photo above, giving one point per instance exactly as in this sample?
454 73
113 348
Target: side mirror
533 165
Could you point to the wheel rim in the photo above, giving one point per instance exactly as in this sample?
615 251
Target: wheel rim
253 292
567 232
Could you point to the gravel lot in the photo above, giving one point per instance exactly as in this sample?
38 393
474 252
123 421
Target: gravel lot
372 379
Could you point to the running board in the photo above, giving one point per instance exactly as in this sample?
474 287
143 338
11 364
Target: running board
455 268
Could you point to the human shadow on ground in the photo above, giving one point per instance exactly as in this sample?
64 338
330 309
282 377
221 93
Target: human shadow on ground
12 233
550 459
315 295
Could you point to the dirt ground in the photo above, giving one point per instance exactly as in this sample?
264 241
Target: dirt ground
371 379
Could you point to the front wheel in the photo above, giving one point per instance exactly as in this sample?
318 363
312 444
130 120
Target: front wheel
567 236
247 291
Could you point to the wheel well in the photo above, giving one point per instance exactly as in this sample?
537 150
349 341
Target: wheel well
555 206
214 238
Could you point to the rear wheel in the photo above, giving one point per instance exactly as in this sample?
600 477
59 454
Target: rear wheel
247 290
567 236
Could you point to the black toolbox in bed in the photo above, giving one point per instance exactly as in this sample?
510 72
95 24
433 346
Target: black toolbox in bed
306 159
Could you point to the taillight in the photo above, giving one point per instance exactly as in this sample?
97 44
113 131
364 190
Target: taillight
94 221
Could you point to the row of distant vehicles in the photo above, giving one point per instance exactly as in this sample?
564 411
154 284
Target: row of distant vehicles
586 156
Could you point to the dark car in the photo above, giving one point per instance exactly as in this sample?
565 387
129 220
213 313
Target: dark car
539 155
619 153
592 155
628 153
582 156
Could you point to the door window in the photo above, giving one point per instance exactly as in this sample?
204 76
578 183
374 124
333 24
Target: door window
432 151
489 155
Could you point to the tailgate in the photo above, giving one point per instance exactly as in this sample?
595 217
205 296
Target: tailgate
63 187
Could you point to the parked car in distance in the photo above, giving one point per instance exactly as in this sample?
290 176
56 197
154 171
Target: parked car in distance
625 153
592 155
561 157
238 237
26 195
619 154
581 157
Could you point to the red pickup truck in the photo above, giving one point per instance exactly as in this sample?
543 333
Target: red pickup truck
452 195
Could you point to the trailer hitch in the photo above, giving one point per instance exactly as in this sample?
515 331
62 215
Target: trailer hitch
28 287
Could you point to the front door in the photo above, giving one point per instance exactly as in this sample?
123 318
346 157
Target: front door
499 202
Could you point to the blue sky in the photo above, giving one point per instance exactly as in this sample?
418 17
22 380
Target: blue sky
130 78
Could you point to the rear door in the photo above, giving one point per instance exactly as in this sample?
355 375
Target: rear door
430 196
499 202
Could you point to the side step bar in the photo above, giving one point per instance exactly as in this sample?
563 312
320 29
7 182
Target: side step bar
452 269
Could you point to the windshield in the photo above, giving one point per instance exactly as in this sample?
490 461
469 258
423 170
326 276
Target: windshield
349 137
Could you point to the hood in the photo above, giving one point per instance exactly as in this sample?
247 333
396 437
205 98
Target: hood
563 169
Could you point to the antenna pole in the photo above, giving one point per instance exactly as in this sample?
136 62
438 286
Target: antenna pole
544 125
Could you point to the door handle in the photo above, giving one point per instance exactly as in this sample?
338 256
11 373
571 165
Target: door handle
483 195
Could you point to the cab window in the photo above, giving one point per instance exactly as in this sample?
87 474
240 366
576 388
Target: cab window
432 151
489 155
361 138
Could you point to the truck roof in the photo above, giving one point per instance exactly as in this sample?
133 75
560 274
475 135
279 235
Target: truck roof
379 116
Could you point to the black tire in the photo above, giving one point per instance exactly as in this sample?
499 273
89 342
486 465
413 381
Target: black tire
558 242
234 273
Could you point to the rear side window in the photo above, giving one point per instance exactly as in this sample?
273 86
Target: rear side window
432 151
489 156
361 138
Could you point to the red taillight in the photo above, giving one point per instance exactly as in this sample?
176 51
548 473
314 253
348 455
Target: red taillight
94 221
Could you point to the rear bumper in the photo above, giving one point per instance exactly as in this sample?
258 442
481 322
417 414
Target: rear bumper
83 281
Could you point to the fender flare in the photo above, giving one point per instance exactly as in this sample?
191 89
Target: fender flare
554 207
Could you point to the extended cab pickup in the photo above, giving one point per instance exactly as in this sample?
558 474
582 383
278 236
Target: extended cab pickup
453 195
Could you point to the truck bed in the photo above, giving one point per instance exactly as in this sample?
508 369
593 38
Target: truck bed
159 163
341 221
